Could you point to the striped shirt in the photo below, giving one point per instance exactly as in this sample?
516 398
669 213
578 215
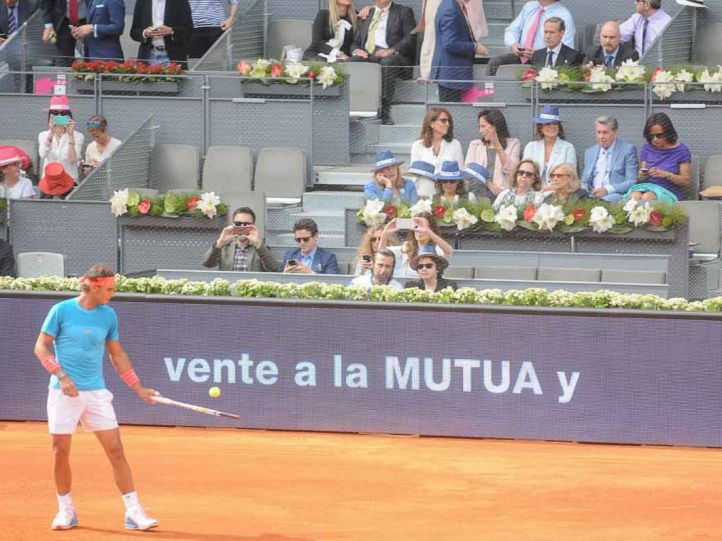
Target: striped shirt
208 13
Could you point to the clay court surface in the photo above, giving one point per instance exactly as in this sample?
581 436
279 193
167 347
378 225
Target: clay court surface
223 485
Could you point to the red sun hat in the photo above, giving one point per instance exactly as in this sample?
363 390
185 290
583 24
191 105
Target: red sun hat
59 103
8 155
56 181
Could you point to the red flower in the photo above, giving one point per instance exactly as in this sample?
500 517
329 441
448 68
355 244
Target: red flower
311 74
244 67
587 76
276 70
529 75
439 211
390 210
656 218
529 213
144 206
579 214
192 202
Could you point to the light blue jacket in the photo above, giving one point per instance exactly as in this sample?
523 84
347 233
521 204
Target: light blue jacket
623 167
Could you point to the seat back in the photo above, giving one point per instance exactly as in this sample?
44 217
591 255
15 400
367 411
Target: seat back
34 264
280 172
227 170
174 167
634 277
704 227
282 32
364 88
510 71
505 273
691 191
459 272
712 171
557 274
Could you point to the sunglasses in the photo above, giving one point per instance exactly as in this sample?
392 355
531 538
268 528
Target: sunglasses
425 265
653 136
443 120
242 224
303 239
375 239
522 173
559 175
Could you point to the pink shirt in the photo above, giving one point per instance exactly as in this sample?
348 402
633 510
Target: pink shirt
477 154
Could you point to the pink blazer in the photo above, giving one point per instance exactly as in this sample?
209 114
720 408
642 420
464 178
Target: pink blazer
477 154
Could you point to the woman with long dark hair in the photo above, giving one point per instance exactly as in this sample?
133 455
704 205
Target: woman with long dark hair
437 143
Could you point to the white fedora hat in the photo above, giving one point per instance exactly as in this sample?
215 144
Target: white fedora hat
692 3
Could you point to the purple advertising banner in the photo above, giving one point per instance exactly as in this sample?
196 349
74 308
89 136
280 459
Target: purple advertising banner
543 374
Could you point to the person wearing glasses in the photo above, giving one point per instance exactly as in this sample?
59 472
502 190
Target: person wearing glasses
103 144
565 185
308 258
645 25
525 187
665 164
381 273
240 248
61 142
437 143
368 248
430 266
388 184
550 149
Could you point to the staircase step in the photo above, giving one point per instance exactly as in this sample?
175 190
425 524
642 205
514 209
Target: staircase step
408 113
399 133
409 91
401 150
335 200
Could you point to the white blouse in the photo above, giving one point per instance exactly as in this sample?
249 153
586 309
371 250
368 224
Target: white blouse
57 151
448 151
93 155
23 189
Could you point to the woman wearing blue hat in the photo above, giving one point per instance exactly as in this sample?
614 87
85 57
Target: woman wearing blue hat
450 187
424 177
430 266
388 184
550 149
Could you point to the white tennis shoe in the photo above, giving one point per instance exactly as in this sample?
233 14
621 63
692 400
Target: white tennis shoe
137 519
66 518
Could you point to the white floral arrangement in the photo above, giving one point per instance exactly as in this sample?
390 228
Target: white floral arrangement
373 212
548 216
269 71
712 82
630 72
506 217
423 205
548 78
638 212
463 219
600 219
599 80
127 202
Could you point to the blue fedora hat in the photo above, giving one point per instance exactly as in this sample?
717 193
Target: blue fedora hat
477 171
385 158
449 171
423 169
549 114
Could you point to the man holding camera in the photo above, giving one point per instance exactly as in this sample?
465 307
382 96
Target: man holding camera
381 273
308 258
240 248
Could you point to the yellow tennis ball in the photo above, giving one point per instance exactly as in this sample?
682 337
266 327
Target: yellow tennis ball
214 392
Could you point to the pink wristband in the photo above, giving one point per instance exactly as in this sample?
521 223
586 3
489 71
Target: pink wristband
130 377
50 363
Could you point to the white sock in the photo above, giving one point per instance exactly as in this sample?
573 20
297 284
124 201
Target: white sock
65 501
130 499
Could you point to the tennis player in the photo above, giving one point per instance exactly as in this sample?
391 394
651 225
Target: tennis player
71 345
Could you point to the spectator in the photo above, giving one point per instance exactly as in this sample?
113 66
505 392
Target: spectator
430 267
565 185
496 150
452 64
437 143
665 163
525 34
369 247
381 273
7 260
450 187
59 15
61 142
425 232
555 54
308 258
388 184
163 28
610 166
13 183
423 174
645 25
102 145
477 20
13 13
209 23
240 247
525 187
101 35
333 32
385 38
56 183
610 52
477 176
550 149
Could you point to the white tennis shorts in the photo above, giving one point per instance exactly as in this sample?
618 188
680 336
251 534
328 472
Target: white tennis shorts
94 409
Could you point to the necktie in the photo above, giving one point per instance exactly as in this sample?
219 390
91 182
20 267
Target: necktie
73 12
468 23
531 35
644 35
12 21
608 60
550 58
371 39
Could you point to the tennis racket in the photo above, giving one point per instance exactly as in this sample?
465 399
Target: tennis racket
200 409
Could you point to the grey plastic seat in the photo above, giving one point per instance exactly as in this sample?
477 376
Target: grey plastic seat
459 272
146 192
713 171
691 191
704 228
633 277
174 167
557 274
227 169
281 174
510 71
34 264
505 273
28 146
364 88
282 32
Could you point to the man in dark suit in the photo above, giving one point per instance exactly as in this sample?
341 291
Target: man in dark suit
59 16
163 28
555 54
453 61
13 13
308 258
610 52
385 38
106 21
